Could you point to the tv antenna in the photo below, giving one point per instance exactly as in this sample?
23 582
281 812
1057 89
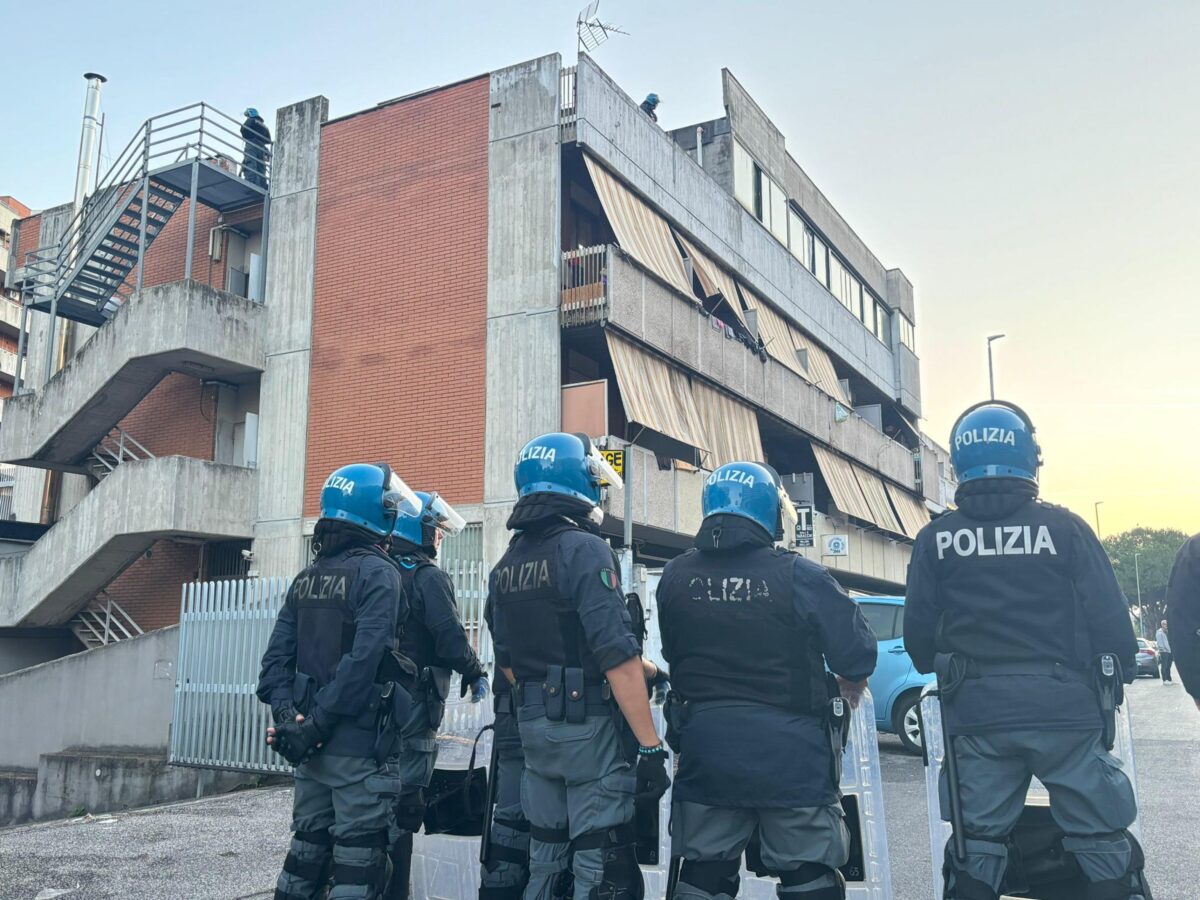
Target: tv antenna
591 31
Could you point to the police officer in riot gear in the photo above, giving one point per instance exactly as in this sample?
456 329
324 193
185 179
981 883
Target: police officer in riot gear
747 630
1011 600
563 637
433 638
330 677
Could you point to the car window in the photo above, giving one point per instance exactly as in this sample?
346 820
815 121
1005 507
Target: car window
882 619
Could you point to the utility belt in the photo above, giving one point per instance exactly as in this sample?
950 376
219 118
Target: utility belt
954 668
565 696
433 687
387 710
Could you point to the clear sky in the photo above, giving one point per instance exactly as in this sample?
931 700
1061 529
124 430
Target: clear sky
1032 167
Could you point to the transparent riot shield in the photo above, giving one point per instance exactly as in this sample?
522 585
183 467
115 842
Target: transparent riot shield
1037 800
446 867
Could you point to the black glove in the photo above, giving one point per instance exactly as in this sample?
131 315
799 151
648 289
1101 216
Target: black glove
297 741
652 780
285 712
468 682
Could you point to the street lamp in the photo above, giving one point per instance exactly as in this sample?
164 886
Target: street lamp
991 375
1137 573
1097 507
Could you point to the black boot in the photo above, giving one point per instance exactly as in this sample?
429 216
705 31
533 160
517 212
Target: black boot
401 855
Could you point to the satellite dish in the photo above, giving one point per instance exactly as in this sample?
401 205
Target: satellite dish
590 30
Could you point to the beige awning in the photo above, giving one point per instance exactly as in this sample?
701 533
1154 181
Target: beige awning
877 499
783 340
713 278
641 232
839 477
655 394
730 427
912 512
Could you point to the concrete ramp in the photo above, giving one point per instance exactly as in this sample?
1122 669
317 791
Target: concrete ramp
183 326
139 503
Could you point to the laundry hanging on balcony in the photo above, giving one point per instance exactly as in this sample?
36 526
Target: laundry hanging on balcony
641 232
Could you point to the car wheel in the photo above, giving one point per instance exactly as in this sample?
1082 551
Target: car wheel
906 722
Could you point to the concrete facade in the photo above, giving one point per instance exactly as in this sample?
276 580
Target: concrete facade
139 503
287 342
523 341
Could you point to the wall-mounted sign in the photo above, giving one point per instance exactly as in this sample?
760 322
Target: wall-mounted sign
837 545
804 525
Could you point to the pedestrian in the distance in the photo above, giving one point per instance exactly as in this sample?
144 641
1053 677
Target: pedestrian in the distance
1164 652
1183 612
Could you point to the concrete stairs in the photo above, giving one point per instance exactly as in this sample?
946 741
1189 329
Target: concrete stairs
183 326
140 502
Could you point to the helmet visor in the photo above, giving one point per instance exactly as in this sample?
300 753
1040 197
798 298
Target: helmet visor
445 518
399 498
787 515
600 467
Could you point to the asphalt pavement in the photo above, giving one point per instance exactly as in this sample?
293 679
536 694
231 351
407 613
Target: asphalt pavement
230 847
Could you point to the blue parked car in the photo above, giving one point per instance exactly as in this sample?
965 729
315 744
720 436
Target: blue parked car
896 685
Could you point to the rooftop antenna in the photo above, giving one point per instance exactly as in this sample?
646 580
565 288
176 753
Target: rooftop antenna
591 31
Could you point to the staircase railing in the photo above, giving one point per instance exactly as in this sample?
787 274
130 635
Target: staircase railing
102 622
198 131
115 448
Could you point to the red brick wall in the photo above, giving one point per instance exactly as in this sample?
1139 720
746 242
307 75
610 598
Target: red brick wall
177 418
28 237
399 327
6 390
8 342
149 589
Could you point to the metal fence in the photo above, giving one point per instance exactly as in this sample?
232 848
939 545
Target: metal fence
8 475
218 721
583 294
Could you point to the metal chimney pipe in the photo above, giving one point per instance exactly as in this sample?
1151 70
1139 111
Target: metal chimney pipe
89 139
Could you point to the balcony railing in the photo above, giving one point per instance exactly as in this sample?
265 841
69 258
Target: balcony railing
583 299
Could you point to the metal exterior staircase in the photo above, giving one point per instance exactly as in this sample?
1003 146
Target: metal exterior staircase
116 447
186 154
102 622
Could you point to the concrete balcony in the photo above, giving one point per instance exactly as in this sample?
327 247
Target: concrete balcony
654 314
10 317
666 499
139 503
8 366
179 327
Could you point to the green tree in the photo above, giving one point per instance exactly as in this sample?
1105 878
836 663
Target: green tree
1155 549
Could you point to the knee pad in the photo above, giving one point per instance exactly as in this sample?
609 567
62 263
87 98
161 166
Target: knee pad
621 879
714 876
310 859
958 884
801 882
1130 884
410 811
363 860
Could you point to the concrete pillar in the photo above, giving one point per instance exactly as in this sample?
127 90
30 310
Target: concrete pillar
283 403
30 483
523 345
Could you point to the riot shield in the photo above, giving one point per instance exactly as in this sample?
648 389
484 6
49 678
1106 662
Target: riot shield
1036 829
445 866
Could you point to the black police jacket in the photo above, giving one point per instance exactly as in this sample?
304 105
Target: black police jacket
747 630
555 598
1183 613
1006 578
337 623
433 634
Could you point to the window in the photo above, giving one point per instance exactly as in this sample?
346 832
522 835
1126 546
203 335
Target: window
859 308
779 211
882 323
744 177
798 239
908 335
820 266
882 619
837 280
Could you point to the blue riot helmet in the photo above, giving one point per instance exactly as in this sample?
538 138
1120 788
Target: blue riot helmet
567 464
753 491
250 113
652 99
435 519
369 495
995 439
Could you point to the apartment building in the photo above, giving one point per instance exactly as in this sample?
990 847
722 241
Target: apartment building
433 281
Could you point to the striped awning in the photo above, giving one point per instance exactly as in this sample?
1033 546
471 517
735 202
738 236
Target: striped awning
730 427
877 499
820 368
913 513
713 279
641 232
842 483
655 395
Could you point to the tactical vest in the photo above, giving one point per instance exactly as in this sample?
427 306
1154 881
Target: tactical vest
537 619
325 626
1006 587
736 634
416 641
